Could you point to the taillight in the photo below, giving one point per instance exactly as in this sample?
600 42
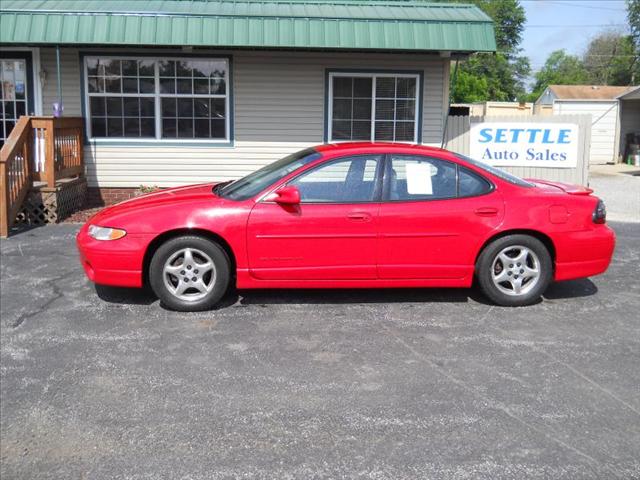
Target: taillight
600 213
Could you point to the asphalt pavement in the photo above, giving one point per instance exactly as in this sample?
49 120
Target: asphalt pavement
395 384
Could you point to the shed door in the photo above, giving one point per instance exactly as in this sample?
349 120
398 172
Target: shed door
604 124
629 121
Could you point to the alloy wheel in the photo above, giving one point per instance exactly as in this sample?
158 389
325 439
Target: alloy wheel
189 274
515 270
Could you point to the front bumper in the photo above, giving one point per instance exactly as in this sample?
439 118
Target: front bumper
117 262
584 254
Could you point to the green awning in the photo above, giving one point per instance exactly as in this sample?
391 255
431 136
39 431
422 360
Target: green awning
336 25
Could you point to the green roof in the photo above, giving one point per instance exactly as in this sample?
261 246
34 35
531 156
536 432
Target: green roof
336 25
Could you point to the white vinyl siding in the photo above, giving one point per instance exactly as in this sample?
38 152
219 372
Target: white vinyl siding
278 108
70 76
604 125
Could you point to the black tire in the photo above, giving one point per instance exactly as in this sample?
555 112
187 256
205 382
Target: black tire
218 277
505 293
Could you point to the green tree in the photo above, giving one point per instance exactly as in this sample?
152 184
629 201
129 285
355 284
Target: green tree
471 87
611 59
500 76
559 69
633 15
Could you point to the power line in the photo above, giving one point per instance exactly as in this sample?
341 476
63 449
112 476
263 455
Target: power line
624 55
566 25
616 55
575 5
603 25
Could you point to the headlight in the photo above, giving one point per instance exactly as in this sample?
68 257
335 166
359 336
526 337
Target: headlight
105 233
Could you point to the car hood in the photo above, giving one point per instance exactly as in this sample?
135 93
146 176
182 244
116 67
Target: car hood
166 197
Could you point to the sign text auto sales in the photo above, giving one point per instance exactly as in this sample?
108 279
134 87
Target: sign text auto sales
525 144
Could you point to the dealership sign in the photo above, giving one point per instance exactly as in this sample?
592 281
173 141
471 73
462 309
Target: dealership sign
514 144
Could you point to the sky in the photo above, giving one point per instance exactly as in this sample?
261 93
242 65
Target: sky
567 24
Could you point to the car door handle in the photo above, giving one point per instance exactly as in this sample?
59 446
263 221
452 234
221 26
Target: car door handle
359 216
486 212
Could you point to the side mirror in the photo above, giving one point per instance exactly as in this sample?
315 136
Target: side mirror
288 195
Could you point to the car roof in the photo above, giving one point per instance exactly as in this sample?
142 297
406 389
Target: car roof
374 146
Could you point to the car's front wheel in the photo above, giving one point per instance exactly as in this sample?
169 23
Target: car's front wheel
189 273
514 270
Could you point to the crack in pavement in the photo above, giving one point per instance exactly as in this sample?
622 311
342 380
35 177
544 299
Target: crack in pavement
57 295
491 401
577 373
569 367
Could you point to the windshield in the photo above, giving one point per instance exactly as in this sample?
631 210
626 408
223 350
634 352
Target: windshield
257 181
496 171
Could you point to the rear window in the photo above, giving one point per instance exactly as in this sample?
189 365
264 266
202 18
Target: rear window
507 177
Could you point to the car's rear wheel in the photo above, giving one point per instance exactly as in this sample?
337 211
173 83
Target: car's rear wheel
189 273
514 270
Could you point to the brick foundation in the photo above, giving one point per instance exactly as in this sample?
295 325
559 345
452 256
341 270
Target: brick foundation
109 196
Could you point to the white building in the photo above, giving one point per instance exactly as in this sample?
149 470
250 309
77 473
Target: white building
610 122
174 92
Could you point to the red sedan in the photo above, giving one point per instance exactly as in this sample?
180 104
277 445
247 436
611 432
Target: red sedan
350 216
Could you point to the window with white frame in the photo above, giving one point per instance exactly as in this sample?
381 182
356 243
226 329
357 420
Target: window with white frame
376 107
157 98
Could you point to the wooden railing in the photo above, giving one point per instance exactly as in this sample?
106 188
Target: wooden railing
42 149
62 142
15 173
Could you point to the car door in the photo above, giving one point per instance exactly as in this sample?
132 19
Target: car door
330 235
433 219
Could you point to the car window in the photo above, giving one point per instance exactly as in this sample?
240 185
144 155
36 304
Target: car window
414 177
471 184
348 180
496 171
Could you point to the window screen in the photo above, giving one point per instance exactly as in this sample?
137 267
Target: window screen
374 107
157 98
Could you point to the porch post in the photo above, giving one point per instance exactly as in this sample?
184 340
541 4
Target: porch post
451 92
49 153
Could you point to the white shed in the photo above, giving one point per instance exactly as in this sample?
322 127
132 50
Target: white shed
602 104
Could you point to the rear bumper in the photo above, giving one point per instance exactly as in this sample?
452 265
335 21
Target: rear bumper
584 254
117 262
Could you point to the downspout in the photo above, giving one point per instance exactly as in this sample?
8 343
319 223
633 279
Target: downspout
58 107
451 92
